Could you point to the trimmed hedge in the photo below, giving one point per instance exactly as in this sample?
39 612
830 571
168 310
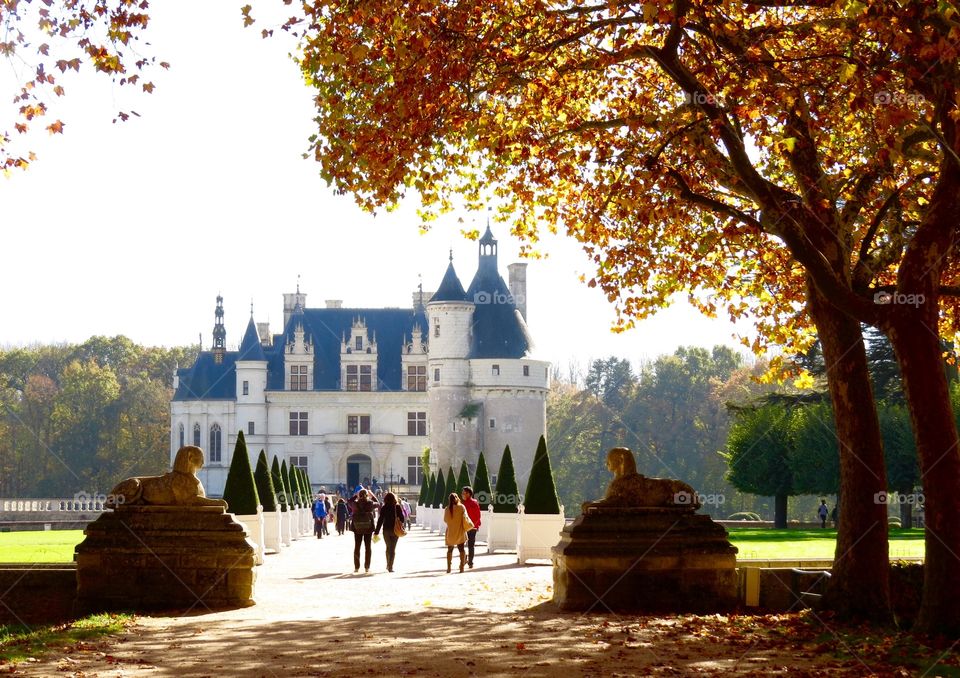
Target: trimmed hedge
541 495
481 483
240 490
439 491
505 499
463 479
264 481
279 485
451 485
424 486
292 486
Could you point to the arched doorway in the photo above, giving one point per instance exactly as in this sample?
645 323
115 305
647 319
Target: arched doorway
359 469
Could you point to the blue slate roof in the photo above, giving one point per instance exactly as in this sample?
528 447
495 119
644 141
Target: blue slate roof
498 327
450 288
206 380
250 348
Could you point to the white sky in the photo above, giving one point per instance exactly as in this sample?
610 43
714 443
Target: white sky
135 228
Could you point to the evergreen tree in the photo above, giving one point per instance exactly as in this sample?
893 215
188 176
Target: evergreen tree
506 497
439 490
424 486
451 484
293 487
279 485
240 490
264 481
541 495
463 479
481 483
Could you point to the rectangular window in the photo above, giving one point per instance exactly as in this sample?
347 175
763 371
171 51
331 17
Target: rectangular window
416 423
353 380
526 370
436 374
366 377
298 377
493 423
359 343
358 423
298 423
436 327
299 462
250 428
416 377
496 370
414 471
246 388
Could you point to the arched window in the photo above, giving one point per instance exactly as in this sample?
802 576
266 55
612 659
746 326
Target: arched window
182 437
215 444
196 435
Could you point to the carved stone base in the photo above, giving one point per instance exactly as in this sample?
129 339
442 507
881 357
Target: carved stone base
644 559
164 557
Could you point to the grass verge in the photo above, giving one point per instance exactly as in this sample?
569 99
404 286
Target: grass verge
53 546
766 543
20 643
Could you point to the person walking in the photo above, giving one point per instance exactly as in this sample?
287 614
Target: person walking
363 525
822 513
389 515
329 507
458 524
406 512
319 516
473 512
341 513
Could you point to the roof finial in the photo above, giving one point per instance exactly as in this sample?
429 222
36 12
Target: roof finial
251 307
451 255
420 287
298 284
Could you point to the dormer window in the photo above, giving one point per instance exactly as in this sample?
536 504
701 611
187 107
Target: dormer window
359 378
359 343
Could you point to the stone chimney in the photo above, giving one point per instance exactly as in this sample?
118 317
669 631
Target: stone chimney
518 286
334 303
290 302
263 331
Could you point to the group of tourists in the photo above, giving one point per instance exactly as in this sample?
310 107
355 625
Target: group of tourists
369 515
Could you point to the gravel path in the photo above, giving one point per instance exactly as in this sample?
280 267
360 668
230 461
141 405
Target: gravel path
315 617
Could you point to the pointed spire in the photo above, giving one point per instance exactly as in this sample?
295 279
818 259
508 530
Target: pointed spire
450 287
219 332
250 348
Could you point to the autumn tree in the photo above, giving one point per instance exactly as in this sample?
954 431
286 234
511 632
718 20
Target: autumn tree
45 42
794 160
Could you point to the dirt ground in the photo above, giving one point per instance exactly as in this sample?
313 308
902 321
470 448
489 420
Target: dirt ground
315 617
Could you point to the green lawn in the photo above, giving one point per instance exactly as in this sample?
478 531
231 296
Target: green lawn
755 543
54 546
765 543
19 643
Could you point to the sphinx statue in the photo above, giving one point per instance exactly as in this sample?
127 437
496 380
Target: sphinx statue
179 487
630 489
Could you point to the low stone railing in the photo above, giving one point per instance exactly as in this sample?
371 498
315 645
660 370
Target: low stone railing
70 504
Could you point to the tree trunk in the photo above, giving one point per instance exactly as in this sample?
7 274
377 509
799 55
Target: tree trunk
780 511
917 345
859 587
906 513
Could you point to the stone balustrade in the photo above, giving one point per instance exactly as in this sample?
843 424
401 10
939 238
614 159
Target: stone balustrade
77 503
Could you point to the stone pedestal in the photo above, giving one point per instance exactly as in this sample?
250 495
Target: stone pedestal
655 559
164 557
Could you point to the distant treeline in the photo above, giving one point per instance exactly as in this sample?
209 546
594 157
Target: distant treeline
76 418
671 412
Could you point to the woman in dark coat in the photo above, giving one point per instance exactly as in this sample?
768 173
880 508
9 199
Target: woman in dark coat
390 512
364 522
341 513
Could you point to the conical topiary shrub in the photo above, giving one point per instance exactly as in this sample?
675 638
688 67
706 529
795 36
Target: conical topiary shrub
505 498
278 484
439 491
451 484
424 486
541 495
301 479
240 490
463 478
264 481
293 497
481 483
